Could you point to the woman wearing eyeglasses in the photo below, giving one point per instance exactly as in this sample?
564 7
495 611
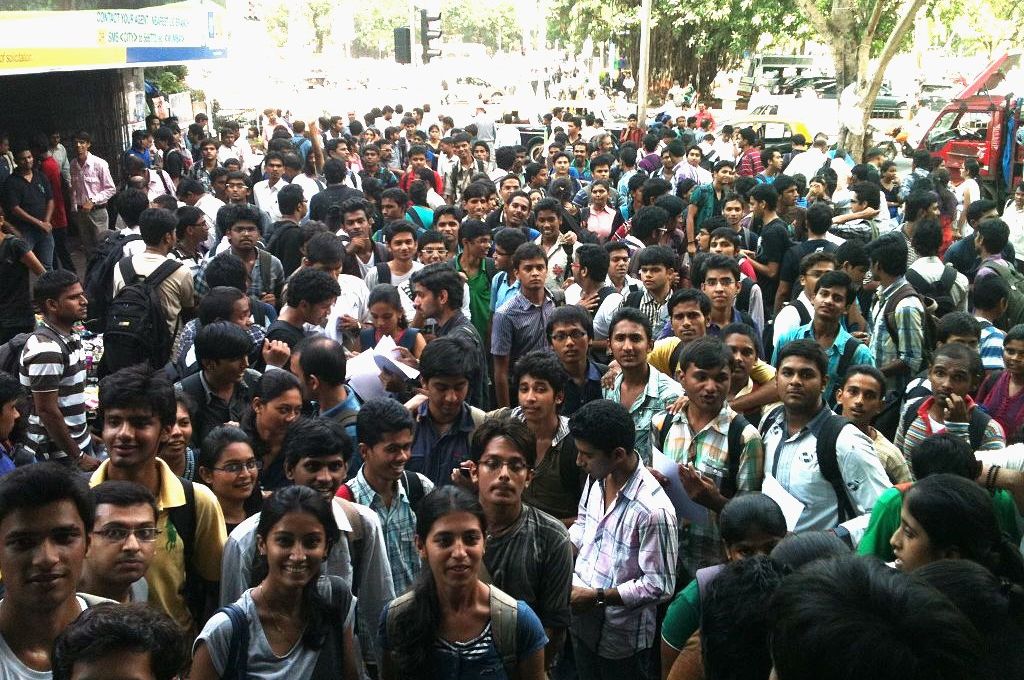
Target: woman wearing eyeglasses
227 465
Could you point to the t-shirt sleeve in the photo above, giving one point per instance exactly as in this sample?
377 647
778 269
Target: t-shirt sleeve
530 637
683 616
216 635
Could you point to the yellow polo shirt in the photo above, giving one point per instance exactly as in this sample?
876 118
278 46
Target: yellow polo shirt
661 354
166 573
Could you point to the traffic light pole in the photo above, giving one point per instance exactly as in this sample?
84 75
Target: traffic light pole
413 16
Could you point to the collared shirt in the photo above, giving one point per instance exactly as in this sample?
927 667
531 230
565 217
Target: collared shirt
793 461
166 573
632 547
433 454
862 355
991 345
578 395
255 276
661 391
557 262
398 522
265 196
519 327
547 490
599 222
909 316
700 545
371 582
91 181
923 426
655 311
502 291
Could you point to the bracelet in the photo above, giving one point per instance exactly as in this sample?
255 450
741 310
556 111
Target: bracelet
990 478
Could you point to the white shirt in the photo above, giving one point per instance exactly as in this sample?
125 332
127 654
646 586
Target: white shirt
210 204
309 186
266 197
725 149
240 152
788 317
1014 219
793 461
507 135
351 302
806 163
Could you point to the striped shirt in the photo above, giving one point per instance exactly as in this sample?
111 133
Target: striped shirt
631 547
519 327
660 393
708 452
655 311
923 426
909 317
991 345
51 365
398 523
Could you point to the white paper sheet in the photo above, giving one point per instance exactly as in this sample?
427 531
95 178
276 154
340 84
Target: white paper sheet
364 376
686 508
791 507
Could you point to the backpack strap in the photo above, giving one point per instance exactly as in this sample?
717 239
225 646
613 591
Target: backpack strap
805 316
770 419
383 272
977 426
633 299
673 359
259 312
915 279
504 624
666 425
332 653
266 271
829 464
734 452
395 608
704 577
889 311
160 274
236 667
413 488
907 419
947 279
127 270
183 518
846 359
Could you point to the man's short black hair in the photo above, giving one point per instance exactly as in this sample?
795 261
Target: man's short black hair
684 295
221 340
311 285
470 230
853 254
52 284
121 494
543 365
633 315
829 612
836 279
108 629
378 417
959 324
706 353
819 218
605 425
512 430
139 387
440 277
654 256
867 193
130 204
994 235
988 291
509 238
595 259
155 224
569 315
325 248
322 357
289 198
315 438
978 208
806 349
233 213
226 269
32 486
927 238
719 261
889 252
527 251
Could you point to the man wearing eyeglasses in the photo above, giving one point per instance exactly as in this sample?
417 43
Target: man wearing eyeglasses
528 554
571 333
123 542
139 408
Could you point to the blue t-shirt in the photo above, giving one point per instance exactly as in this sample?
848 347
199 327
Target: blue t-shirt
478 659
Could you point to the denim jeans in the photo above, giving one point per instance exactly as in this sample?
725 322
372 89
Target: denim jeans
40 243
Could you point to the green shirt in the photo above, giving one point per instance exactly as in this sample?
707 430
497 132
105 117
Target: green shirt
683 617
885 519
479 297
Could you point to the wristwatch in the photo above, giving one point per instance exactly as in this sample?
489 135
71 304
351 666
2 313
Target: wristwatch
600 597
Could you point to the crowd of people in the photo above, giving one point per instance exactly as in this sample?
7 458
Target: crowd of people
656 404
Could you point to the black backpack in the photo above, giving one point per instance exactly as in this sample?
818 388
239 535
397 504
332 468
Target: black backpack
768 335
136 330
10 351
940 291
99 277
199 594
828 464
734 451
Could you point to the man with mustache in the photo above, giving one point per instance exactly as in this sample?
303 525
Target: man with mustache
719 452
528 553
832 293
123 542
804 440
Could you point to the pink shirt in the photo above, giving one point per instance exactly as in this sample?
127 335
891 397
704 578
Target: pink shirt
599 223
91 181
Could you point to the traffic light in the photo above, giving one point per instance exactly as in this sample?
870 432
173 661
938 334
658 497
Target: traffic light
403 45
427 33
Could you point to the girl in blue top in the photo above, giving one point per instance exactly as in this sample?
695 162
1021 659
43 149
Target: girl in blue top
443 627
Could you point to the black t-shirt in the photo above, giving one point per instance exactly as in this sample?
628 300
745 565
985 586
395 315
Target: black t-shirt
790 270
31 195
15 297
286 333
772 248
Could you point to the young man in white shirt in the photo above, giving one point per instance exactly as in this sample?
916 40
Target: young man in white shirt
265 191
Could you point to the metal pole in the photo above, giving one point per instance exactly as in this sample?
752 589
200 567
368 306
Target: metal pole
645 62
414 29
